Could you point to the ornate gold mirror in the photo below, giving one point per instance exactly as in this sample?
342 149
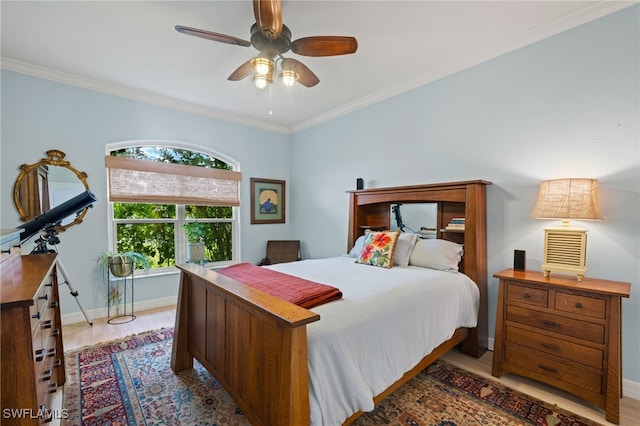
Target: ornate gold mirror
46 184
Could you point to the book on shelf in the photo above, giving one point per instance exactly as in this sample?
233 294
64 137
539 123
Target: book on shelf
455 224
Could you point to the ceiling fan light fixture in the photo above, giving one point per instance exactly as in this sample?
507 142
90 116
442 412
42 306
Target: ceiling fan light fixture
288 77
262 65
260 80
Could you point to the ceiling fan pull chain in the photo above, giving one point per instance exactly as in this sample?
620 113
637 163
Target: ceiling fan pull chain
270 112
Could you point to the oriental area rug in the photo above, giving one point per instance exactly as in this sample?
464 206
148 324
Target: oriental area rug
130 382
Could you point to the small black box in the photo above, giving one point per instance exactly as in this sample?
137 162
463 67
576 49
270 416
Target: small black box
519 260
359 183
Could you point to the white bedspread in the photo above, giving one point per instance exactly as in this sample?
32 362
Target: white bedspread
386 322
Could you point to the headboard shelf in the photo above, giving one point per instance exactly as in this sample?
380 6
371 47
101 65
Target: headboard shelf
371 209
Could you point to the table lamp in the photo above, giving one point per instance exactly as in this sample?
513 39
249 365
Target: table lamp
565 247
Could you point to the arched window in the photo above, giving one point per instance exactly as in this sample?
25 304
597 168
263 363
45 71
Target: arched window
155 188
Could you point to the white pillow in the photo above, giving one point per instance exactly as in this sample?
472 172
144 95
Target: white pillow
437 254
403 249
357 247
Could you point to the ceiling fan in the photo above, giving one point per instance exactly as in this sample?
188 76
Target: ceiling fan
272 39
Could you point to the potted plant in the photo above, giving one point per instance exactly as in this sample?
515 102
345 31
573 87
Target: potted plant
195 232
120 265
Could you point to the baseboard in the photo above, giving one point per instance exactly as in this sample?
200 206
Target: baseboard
76 317
630 389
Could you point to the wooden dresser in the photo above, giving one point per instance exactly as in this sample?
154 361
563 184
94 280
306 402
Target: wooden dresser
32 353
562 332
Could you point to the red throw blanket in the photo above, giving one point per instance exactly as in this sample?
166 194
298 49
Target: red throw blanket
293 289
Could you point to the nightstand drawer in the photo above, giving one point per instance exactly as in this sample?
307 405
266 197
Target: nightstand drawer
557 324
584 305
555 371
560 372
555 346
528 295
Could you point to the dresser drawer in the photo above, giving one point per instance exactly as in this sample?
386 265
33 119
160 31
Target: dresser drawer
581 381
567 326
46 388
40 307
584 305
528 295
555 346
37 309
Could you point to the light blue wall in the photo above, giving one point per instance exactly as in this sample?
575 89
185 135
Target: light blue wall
565 107
38 115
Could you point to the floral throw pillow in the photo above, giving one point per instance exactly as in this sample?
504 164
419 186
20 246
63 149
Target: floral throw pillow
379 248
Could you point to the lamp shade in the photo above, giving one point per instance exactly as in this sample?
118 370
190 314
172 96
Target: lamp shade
568 199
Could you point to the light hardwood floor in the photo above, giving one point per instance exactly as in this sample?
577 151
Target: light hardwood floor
81 334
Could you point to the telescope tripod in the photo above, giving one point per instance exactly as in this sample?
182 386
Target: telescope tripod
49 237
72 290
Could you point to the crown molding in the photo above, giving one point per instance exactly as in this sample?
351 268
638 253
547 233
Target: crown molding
587 14
134 94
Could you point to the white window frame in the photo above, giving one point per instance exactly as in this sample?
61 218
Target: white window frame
180 241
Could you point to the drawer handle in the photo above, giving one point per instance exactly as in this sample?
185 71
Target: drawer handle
48 285
45 297
54 304
549 369
57 363
549 346
40 355
550 323
53 387
578 305
36 315
51 353
47 324
526 296
55 333
46 375
43 409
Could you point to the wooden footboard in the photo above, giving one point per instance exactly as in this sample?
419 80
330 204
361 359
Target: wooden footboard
253 343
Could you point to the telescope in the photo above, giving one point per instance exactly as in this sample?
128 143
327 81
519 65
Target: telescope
47 222
398 215
50 219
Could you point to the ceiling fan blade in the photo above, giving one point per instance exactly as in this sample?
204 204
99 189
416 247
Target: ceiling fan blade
241 72
268 14
222 38
306 77
324 46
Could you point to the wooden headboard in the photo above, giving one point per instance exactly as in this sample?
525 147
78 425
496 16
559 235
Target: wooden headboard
371 209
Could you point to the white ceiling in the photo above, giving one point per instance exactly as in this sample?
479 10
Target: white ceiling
130 48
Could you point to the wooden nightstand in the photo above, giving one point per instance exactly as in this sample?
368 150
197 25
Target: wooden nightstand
562 332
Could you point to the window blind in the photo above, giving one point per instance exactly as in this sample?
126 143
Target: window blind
143 181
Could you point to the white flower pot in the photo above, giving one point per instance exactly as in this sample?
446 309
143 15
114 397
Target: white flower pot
195 252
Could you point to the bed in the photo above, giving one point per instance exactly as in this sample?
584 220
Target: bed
286 365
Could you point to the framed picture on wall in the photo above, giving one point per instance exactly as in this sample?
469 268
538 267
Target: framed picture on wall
267 201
